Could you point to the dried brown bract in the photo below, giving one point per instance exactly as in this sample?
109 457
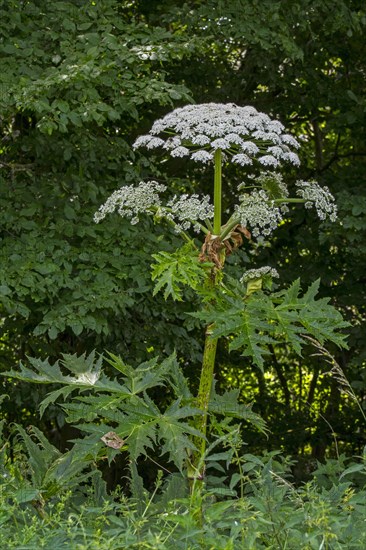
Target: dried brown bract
213 247
111 439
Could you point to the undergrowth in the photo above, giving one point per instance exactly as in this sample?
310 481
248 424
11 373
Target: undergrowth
52 501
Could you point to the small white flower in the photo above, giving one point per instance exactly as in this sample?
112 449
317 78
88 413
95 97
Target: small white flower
154 142
202 156
269 160
259 273
250 147
319 197
267 136
257 211
234 138
200 139
187 209
242 159
276 126
130 201
180 152
292 158
142 141
172 143
222 144
290 140
276 151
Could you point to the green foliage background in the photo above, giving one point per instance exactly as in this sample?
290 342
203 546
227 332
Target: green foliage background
78 82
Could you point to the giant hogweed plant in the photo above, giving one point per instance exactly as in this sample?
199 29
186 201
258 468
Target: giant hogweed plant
119 414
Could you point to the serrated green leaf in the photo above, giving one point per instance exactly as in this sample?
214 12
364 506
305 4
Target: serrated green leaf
251 324
37 458
50 451
228 405
352 469
141 438
53 396
137 488
173 271
175 441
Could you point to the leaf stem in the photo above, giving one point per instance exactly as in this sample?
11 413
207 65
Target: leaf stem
160 214
229 226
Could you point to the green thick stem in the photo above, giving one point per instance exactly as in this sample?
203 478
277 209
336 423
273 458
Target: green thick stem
196 471
206 380
209 353
217 192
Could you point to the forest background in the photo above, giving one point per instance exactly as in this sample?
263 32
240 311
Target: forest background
79 81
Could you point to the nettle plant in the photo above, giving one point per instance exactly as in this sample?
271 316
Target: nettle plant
120 414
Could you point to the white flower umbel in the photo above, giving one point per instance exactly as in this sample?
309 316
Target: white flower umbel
266 199
130 201
319 197
257 211
243 133
220 133
187 209
259 273
183 211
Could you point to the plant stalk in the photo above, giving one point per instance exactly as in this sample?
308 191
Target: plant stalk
196 468
206 380
209 353
217 192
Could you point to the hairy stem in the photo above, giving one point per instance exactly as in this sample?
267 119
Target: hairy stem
196 470
207 375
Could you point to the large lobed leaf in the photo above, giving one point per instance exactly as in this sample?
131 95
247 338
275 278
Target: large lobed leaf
173 271
100 405
252 322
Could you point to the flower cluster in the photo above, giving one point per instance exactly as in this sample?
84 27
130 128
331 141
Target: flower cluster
259 212
130 201
265 271
242 133
317 196
262 209
187 209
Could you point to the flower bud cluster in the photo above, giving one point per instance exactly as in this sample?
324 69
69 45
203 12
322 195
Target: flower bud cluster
243 133
259 273
317 196
130 201
273 184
